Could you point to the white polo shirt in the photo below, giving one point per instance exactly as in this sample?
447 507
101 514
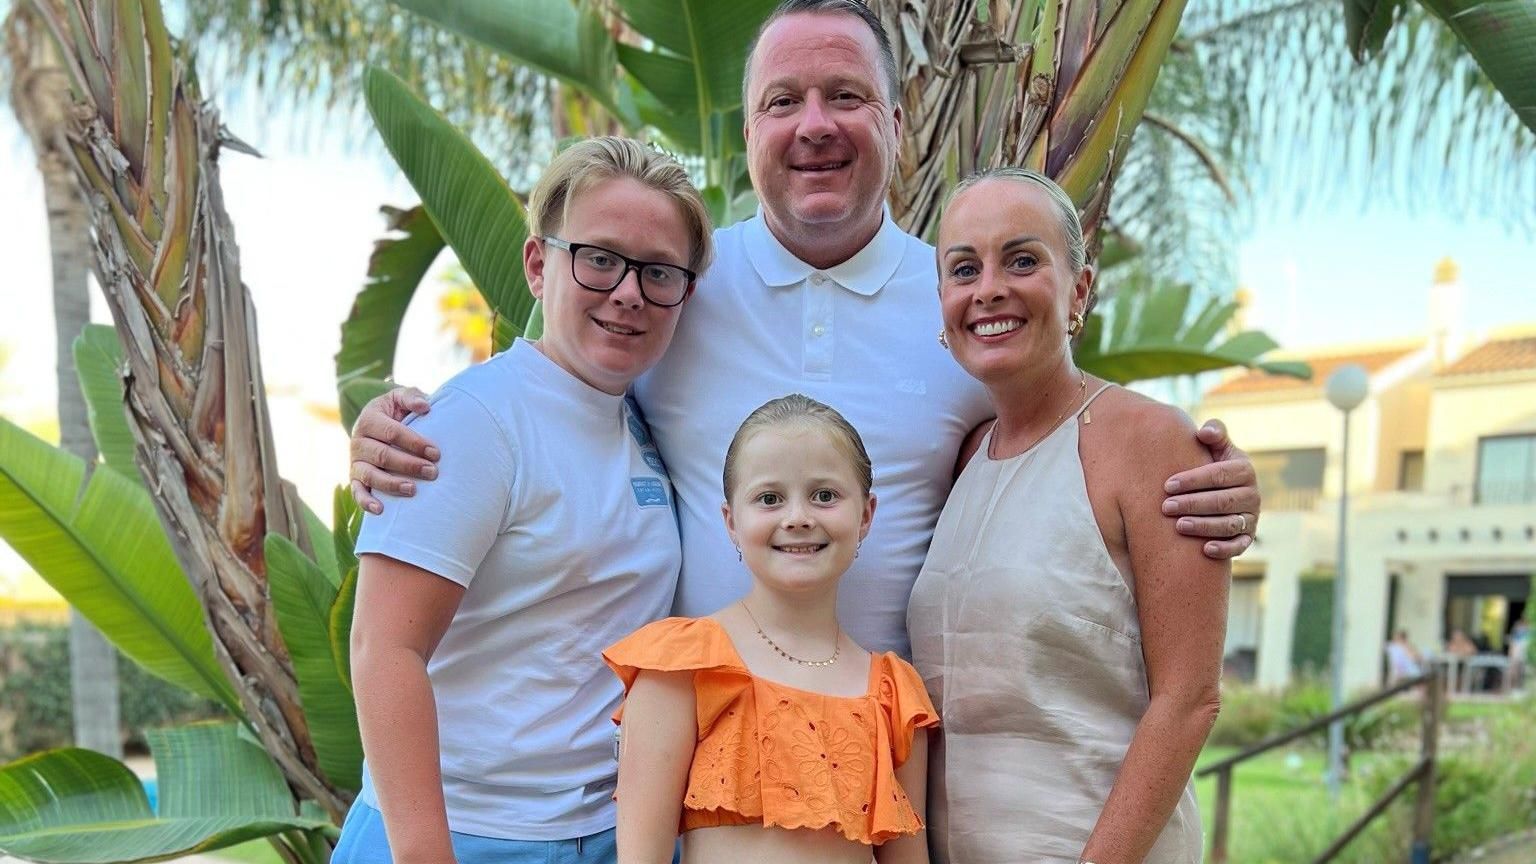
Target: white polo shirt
555 512
861 337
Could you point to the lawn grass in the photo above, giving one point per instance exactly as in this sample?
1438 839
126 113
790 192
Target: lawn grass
1281 810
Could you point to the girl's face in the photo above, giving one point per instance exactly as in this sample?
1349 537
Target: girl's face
798 511
608 339
1006 285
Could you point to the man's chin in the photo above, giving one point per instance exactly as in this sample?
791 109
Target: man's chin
821 208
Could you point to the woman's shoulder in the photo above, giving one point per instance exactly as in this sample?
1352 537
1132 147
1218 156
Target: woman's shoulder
1133 442
1142 417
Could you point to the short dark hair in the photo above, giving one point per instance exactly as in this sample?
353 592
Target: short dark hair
858 9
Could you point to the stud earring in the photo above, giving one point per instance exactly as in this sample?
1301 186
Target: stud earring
1074 324
943 340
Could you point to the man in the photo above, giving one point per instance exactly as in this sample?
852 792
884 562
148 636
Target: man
822 294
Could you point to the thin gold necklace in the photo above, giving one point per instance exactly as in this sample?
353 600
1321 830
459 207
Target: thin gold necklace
837 645
1082 388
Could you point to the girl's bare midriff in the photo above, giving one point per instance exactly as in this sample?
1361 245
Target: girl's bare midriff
752 844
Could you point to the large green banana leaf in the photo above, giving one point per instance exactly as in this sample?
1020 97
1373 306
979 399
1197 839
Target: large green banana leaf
215 789
107 554
560 38
685 71
467 198
349 521
698 68
98 365
1501 36
303 598
1151 335
369 335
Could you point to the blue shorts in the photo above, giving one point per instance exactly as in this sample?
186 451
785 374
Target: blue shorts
363 842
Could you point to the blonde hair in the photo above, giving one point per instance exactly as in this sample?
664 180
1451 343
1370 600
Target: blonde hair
803 411
1066 211
594 160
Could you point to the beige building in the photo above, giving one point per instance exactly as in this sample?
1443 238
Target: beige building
1442 497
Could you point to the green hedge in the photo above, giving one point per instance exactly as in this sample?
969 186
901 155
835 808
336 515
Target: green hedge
1486 785
35 711
1249 715
1312 635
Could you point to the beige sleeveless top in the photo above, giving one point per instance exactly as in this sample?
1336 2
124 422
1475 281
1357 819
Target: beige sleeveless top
1026 635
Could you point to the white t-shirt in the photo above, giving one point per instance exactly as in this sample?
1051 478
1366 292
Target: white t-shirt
861 337
554 510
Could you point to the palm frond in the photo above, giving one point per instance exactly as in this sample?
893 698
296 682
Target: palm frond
1178 192
1420 122
297 54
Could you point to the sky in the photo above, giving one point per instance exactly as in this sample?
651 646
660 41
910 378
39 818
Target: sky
306 217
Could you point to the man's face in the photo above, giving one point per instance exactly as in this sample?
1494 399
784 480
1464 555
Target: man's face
821 131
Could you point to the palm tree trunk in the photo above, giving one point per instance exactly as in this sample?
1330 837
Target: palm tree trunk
145 147
1053 85
40 99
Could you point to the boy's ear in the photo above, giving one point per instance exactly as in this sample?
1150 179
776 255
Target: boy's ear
533 266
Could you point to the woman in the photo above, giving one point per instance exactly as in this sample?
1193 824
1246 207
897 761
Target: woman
1070 638
484 600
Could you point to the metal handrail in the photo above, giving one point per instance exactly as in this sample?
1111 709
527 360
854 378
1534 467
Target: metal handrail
1423 772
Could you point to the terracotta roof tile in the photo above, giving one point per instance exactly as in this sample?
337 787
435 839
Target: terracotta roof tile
1322 367
1498 355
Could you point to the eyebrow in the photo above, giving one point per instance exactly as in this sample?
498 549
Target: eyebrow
656 256
1011 244
792 82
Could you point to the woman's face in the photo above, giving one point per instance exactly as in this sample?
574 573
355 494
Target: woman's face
607 339
1006 286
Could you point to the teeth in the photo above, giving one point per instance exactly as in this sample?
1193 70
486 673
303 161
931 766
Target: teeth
994 328
614 328
799 548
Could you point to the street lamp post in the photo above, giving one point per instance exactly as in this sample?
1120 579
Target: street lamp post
1347 387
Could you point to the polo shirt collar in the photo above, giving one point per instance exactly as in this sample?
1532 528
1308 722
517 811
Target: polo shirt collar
865 273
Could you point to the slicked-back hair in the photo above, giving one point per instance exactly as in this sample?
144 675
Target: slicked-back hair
801 412
856 8
594 160
1061 202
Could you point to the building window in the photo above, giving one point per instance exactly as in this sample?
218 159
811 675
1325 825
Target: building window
1410 471
1290 479
1506 469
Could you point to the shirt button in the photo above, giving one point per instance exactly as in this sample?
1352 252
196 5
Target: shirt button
818 330
818 279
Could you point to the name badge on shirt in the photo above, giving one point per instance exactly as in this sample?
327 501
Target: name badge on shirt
649 491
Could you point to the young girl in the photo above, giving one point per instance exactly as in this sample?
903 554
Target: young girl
763 732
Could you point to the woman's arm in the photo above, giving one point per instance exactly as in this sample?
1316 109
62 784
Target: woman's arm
1181 599
913 777
656 746
402 613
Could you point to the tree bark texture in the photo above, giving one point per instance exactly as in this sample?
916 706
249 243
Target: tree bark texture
144 147
40 99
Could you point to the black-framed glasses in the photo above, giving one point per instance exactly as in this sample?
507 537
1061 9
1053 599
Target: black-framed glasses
599 269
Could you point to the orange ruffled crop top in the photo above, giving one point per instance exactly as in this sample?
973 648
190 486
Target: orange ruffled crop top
774 755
